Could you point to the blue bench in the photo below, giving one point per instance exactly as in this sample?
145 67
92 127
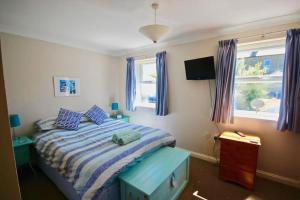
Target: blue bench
161 176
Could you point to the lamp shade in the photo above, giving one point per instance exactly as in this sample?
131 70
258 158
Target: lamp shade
14 120
154 32
114 106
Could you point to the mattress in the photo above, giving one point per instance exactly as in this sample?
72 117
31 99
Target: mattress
88 160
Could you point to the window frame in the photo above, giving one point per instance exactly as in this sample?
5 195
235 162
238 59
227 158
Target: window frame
139 75
260 115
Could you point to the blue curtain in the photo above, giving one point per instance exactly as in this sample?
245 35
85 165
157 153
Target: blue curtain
161 107
289 114
130 85
223 103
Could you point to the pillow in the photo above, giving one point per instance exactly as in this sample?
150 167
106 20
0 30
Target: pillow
48 124
68 119
96 114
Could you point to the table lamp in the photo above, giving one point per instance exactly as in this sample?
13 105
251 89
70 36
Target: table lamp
115 107
15 121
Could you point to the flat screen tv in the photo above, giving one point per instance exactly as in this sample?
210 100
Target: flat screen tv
200 69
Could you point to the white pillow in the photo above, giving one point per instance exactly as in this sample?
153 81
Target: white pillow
46 124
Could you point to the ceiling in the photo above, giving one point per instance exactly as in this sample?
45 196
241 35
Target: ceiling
111 26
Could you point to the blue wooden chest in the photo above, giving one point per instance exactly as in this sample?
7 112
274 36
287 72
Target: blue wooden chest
161 176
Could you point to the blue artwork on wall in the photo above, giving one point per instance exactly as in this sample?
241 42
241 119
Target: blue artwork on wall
66 86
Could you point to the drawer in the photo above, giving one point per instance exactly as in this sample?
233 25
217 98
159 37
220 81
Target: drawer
238 161
239 155
169 189
238 147
239 176
228 146
21 155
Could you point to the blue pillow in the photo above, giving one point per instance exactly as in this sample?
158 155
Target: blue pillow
96 114
68 119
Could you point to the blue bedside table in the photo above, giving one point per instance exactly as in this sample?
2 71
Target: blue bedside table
124 118
21 150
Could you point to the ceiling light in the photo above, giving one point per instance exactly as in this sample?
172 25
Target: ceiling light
154 31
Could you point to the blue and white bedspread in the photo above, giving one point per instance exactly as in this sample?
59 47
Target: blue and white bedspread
88 158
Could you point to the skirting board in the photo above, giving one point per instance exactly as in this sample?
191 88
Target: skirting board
260 173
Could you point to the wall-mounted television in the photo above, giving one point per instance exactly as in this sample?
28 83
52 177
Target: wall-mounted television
200 68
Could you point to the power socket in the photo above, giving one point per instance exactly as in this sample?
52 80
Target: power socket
216 137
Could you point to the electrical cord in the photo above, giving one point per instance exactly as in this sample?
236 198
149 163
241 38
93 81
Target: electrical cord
219 131
211 104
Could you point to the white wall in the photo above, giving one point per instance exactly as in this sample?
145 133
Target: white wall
190 108
29 67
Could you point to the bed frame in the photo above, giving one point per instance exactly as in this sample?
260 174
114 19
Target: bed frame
111 193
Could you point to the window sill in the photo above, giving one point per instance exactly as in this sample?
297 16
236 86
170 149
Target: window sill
256 115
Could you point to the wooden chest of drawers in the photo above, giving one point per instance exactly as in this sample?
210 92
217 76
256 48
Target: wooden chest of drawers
238 158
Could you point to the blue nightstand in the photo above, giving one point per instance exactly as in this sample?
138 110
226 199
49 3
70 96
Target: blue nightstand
21 149
124 118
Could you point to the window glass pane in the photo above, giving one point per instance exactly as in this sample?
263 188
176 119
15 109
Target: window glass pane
148 92
149 72
258 80
248 96
146 83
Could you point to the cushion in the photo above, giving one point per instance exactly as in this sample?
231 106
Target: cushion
48 124
96 114
68 119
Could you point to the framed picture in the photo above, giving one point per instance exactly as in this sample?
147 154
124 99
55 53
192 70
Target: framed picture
66 86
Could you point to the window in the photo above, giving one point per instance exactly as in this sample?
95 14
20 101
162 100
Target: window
258 79
146 83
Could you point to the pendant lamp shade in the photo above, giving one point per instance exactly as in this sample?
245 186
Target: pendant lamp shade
154 32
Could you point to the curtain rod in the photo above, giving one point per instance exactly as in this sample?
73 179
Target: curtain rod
262 35
141 57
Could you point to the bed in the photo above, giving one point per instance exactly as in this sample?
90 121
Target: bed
85 164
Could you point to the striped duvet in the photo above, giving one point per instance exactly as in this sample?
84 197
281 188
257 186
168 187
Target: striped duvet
88 158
